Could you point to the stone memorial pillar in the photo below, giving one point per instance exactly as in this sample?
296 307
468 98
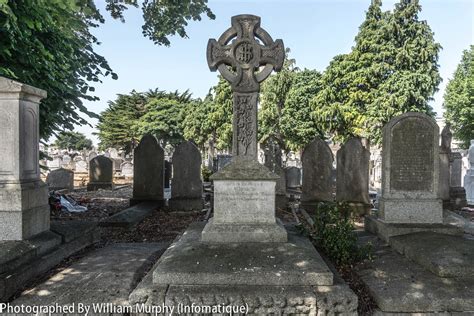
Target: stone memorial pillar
244 191
24 208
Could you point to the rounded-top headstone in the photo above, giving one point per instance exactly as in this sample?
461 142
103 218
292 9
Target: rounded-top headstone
101 169
148 168
352 182
317 160
187 181
60 179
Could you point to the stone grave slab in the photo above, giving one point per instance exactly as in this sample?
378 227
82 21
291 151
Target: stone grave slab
445 256
189 261
403 287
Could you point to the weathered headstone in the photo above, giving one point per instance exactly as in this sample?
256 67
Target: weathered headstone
444 158
168 173
148 171
469 176
126 169
186 188
273 161
317 186
410 178
24 208
60 179
117 164
293 177
244 190
91 155
81 166
101 174
114 153
222 161
352 182
457 193
55 163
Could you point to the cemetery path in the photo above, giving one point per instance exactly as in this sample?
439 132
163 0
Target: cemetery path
105 275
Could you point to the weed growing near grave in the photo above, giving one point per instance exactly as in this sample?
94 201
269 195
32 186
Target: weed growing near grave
206 173
334 234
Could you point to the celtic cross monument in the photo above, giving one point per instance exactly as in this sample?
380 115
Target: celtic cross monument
244 191
245 55
243 255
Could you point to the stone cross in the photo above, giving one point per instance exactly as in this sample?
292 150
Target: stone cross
245 55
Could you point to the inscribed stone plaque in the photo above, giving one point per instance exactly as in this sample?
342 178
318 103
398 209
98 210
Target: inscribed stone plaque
412 154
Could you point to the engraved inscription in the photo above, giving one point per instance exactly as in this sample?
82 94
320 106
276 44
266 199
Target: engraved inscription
412 156
248 192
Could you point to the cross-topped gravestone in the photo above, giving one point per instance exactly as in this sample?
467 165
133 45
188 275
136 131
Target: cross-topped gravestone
245 55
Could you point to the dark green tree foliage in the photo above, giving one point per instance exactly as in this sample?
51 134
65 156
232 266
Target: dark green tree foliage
414 76
459 99
273 96
117 123
196 125
72 141
220 116
392 69
297 126
47 44
155 112
163 18
164 117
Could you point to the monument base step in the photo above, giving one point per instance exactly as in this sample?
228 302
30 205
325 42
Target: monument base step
193 262
266 278
195 204
387 230
245 233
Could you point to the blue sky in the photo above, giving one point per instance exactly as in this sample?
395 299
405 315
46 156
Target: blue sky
315 30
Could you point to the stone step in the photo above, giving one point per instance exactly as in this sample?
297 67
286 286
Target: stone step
400 286
444 255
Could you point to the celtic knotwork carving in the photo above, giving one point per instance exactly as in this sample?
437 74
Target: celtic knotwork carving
242 50
245 131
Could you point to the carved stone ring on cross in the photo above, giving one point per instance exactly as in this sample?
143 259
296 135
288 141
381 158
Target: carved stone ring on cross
238 54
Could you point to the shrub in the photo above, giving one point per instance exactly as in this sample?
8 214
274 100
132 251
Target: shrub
334 234
206 173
